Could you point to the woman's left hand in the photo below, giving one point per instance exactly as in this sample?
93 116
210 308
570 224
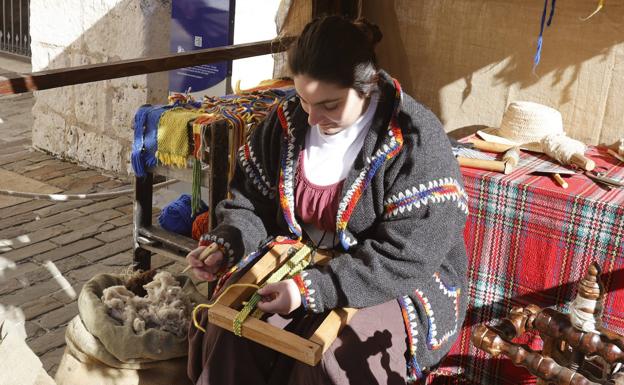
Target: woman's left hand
282 297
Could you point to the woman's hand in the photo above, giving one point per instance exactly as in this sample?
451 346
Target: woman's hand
282 297
208 268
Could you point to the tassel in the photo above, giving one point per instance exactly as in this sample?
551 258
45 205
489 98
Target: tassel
538 53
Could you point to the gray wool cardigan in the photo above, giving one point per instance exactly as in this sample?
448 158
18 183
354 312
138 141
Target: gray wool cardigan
400 221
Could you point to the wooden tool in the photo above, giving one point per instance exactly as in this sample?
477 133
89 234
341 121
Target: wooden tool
309 351
490 165
512 156
204 254
559 180
615 155
583 162
489 146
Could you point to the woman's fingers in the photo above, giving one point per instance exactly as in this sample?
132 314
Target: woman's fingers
213 262
208 268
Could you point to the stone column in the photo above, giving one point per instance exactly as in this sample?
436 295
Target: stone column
92 123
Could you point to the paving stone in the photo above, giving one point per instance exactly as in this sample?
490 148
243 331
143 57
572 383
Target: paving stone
127 209
84 274
17 220
51 220
82 233
29 251
64 265
68 250
17 165
30 293
88 219
114 184
108 249
21 208
113 235
122 221
107 204
58 317
48 341
118 260
12 158
39 306
8 286
25 240
33 329
52 359
59 207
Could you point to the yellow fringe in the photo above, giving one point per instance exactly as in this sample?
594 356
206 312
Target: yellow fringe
173 144
209 305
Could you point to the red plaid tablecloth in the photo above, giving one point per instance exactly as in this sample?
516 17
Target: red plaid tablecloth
530 241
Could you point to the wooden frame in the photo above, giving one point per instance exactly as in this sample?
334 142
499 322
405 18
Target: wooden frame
308 351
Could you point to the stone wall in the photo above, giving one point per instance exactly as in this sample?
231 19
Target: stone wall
91 123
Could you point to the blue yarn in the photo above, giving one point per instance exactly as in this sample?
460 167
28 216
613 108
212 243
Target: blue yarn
145 143
538 52
176 216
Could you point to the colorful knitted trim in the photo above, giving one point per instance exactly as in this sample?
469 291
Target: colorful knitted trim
306 300
255 173
287 170
392 146
433 343
436 191
173 136
224 246
414 373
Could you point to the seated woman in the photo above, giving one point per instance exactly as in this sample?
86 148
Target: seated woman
354 164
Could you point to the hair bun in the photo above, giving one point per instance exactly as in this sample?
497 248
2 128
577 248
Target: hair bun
371 30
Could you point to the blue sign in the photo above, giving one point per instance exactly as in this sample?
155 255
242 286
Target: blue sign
200 24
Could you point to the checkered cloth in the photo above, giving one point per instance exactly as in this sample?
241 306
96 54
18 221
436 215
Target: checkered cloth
530 241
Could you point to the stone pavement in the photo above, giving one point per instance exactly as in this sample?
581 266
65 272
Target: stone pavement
82 237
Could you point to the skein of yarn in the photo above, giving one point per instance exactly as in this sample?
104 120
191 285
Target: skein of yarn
567 151
177 216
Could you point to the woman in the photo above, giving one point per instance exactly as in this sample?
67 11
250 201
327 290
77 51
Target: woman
352 163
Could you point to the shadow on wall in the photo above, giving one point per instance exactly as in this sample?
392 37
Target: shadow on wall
467 58
92 122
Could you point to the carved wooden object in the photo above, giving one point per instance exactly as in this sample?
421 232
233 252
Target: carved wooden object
309 350
577 350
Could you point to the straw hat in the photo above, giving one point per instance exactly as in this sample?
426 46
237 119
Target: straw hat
524 124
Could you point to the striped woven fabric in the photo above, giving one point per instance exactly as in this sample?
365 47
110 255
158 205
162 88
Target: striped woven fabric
530 241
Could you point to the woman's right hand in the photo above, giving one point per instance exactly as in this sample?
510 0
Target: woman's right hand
206 270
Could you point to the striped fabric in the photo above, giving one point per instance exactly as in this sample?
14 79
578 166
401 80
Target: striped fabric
530 241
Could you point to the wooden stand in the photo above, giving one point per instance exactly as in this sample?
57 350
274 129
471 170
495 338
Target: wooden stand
150 238
576 352
308 351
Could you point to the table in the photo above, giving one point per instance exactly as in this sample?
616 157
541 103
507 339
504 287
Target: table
529 241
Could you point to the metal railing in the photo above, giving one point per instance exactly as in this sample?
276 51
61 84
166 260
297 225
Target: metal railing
15 27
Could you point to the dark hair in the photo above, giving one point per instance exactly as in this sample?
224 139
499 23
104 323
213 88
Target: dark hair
337 50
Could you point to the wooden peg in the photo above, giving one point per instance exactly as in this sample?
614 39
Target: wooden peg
583 162
204 254
560 181
489 146
489 165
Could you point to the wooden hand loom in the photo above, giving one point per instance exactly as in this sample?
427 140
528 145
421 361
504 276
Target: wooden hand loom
309 351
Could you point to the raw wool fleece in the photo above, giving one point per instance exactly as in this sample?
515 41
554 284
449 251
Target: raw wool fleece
400 220
164 307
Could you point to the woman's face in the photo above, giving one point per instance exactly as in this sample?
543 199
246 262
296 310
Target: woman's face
330 106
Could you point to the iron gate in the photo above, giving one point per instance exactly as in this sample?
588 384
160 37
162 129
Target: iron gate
15 27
